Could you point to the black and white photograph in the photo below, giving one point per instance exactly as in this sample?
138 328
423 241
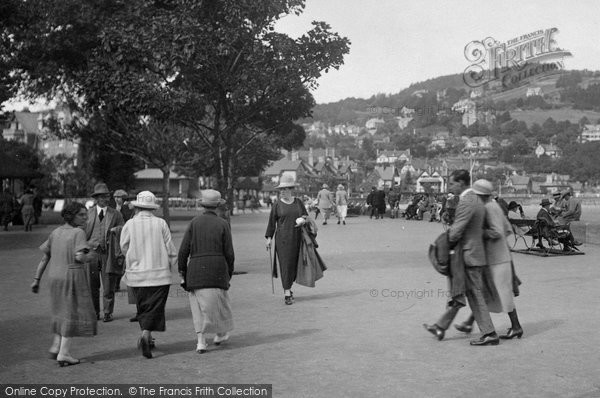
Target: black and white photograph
299 198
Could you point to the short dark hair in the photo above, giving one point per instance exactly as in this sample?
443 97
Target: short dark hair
70 211
461 175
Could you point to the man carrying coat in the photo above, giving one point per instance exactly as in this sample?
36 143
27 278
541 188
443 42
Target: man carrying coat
101 219
466 234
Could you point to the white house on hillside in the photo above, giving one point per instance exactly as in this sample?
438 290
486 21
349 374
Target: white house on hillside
591 132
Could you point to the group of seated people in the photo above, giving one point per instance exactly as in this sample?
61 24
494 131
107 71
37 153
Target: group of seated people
553 220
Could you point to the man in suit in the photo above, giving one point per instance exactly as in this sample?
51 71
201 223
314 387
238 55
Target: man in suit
101 219
545 216
466 234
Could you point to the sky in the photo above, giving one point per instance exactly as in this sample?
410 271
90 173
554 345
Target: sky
395 43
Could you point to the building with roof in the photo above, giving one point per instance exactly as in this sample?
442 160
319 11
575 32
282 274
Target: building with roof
519 184
550 150
151 179
591 132
389 157
430 182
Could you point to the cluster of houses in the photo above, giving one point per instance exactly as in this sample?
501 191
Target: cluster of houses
313 167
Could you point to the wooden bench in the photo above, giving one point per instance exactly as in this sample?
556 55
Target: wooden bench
540 232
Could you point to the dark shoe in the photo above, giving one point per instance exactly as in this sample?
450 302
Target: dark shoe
344 222
577 243
491 339
133 318
567 249
144 344
338 222
324 222
518 333
152 343
289 300
463 327
435 330
108 318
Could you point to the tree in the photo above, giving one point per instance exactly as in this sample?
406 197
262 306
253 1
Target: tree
214 74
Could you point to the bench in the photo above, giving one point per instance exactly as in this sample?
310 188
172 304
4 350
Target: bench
540 232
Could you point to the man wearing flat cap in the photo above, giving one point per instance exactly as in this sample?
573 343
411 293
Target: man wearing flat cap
101 219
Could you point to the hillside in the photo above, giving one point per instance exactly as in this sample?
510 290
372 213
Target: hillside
539 115
356 110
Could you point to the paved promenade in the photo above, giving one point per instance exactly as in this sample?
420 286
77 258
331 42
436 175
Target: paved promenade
357 334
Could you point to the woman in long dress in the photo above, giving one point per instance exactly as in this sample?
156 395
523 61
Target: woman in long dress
286 215
206 262
499 285
27 210
150 255
71 304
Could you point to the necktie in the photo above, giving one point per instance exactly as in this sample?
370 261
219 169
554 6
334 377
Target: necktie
101 215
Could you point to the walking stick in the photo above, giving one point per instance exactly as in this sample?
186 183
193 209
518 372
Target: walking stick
271 268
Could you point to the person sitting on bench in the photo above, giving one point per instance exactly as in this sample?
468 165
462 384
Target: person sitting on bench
545 218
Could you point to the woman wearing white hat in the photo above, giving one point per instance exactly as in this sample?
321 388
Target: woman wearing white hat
206 260
149 256
341 200
286 215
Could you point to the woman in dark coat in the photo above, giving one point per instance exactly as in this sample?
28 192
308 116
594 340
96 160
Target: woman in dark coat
286 215
205 261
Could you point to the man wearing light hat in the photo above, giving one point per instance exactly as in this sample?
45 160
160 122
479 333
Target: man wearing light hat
101 219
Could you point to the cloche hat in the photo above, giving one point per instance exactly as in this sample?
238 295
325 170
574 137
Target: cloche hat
211 198
286 182
145 200
482 187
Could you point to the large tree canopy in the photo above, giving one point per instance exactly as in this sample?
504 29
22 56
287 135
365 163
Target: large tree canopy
215 72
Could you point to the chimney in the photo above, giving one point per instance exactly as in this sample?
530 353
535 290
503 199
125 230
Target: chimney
294 155
310 157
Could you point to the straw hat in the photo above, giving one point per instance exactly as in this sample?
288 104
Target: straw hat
286 182
145 200
545 202
340 187
556 194
211 198
100 189
482 187
325 186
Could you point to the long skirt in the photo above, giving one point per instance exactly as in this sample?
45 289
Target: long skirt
150 303
211 310
498 288
71 304
342 211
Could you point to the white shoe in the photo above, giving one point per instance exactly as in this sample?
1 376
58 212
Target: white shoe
219 339
201 348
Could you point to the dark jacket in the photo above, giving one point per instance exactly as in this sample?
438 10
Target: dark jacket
206 253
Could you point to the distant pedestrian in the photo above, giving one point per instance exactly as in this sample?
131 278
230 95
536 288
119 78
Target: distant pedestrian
37 206
369 202
149 258
341 201
71 306
325 202
286 215
27 211
6 208
379 203
206 263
